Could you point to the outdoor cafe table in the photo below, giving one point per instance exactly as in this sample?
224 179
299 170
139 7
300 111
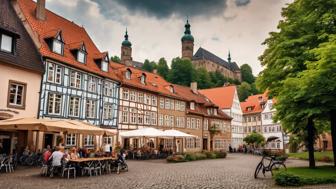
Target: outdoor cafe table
84 160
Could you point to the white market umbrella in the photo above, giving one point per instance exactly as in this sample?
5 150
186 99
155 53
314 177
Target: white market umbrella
144 132
176 134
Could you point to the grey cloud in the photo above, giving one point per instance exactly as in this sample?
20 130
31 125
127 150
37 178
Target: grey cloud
242 2
215 38
166 8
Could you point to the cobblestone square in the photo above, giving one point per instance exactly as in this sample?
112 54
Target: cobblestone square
236 171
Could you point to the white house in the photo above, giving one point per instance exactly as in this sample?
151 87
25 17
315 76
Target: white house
227 100
271 129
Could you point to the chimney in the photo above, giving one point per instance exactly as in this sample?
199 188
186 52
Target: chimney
193 86
155 71
40 9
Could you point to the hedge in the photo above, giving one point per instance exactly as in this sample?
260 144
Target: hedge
196 156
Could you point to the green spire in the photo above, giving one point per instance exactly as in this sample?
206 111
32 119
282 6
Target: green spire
187 33
126 43
229 57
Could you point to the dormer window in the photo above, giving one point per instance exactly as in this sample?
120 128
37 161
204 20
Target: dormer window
143 79
81 55
58 45
104 64
192 105
128 74
6 43
215 111
171 89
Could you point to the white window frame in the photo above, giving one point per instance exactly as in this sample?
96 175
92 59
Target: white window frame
192 105
70 139
104 66
57 46
75 79
74 106
89 140
92 84
54 100
16 94
91 108
108 111
7 40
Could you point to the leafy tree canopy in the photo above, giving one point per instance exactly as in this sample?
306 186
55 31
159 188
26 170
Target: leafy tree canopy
254 138
246 73
162 68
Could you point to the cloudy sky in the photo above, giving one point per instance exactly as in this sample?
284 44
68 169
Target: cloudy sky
156 26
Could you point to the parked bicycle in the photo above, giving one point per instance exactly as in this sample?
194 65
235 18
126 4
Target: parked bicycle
269 163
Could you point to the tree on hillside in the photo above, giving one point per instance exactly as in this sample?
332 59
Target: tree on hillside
149 65
115 59
182 72
290 59
244 91
162 68
246 73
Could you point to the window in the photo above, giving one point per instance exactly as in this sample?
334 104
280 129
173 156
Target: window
54 103
133 115
143 79
167 122
188 122
177 105
147 99
108 140
125 115
88 140
171 89
70 140
198 123
162 103
140 118
160 120
192 105
75 79
108 88
154 118
205 125
154 101
132 96
74 106
147 118
92 85
192 123
81 56
167 104
104 66
57 46
140 97
125 94
108 111
171 118
172 104
6 43
90 108
16 94
54 73
182 106
128 74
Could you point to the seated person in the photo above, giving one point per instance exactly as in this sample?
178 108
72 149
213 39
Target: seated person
74 154
56 158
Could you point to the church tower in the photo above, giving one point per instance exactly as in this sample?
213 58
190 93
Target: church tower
126 51
187 43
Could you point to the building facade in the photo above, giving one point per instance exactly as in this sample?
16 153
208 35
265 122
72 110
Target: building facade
78 82
20 78
226 98
272 129
205 59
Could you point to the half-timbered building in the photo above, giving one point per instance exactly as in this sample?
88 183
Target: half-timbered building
78 82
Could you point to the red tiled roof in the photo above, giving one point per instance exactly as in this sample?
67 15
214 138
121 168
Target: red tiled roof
221 96
254 102
71 34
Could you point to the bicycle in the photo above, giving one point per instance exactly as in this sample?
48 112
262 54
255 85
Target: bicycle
274 164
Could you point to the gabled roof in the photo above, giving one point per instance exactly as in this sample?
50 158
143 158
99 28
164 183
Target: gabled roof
221 96
254 103
71 34
26 54
203 54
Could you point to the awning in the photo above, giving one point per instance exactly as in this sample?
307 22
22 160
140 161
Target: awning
53 125
176 133
144 132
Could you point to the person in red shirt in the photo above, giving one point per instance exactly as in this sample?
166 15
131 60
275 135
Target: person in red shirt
47 154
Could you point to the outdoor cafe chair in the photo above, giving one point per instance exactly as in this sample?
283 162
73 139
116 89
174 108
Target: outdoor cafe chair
8 164
68 168
98 167
44 170
88 168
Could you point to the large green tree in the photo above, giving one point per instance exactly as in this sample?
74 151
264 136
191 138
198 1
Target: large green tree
287 60
162 68
246 73
203 79
244 91
182 72
115 59
255 139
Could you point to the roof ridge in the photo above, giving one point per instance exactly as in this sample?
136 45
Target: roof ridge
217 88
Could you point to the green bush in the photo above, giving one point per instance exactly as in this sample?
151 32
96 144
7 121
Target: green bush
176 158
287 179
190 157
200 156
220 154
